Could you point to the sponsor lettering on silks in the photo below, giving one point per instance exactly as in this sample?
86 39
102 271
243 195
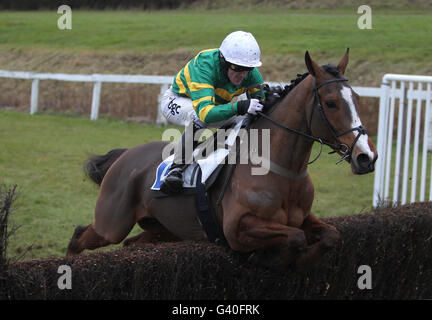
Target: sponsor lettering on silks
174 107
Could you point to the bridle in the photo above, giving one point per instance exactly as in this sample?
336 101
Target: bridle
343 149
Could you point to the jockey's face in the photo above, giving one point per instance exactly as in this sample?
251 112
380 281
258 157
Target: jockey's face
236 77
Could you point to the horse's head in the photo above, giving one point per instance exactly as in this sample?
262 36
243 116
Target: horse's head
334 116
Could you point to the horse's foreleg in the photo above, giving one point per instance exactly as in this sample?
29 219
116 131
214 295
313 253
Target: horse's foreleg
255 232
154 232
275 243
85 238
320 236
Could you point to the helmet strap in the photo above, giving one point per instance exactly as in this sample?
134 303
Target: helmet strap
224 64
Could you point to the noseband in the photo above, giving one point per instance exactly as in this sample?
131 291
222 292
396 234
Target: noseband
340 147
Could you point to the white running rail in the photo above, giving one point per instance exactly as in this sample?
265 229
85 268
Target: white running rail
98 79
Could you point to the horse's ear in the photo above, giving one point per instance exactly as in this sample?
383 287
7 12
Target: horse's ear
308 62
344 62
313 67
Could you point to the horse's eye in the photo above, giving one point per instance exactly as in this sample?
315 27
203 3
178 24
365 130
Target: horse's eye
331 104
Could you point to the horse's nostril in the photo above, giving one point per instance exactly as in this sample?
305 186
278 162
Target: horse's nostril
363 160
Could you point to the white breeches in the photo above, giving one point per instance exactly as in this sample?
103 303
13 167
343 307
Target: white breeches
179 110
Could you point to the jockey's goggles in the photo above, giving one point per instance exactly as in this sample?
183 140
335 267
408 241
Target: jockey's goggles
237 68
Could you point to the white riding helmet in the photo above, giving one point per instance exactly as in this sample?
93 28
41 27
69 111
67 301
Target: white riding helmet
242 49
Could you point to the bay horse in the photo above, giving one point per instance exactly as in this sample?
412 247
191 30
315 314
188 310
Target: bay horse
258 214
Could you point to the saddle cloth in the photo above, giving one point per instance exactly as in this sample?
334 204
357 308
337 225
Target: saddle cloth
206 165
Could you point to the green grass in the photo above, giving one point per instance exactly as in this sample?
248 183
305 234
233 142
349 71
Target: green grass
397 35
44 154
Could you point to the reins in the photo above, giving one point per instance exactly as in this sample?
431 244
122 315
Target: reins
297 132
345 150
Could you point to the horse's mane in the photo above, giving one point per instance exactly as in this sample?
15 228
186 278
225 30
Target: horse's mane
277 93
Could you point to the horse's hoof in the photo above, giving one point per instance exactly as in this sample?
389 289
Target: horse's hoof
331 240
271 259
72 247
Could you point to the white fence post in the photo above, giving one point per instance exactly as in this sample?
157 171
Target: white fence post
160 118
404 160
381 143
34 96
95 100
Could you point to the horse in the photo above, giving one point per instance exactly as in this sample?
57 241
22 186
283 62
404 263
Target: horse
258 214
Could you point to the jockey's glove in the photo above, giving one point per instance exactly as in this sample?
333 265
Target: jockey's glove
251 106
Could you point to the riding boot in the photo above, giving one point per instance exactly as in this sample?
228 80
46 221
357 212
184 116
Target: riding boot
173 182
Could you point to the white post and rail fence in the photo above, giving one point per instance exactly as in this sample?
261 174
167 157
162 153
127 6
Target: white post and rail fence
98 79
397 113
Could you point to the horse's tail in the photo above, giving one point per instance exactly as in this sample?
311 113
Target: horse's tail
97 166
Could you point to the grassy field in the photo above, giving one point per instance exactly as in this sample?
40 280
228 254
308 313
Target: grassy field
395 33
44 154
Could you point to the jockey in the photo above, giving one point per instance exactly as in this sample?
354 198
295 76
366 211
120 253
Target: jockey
202 91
